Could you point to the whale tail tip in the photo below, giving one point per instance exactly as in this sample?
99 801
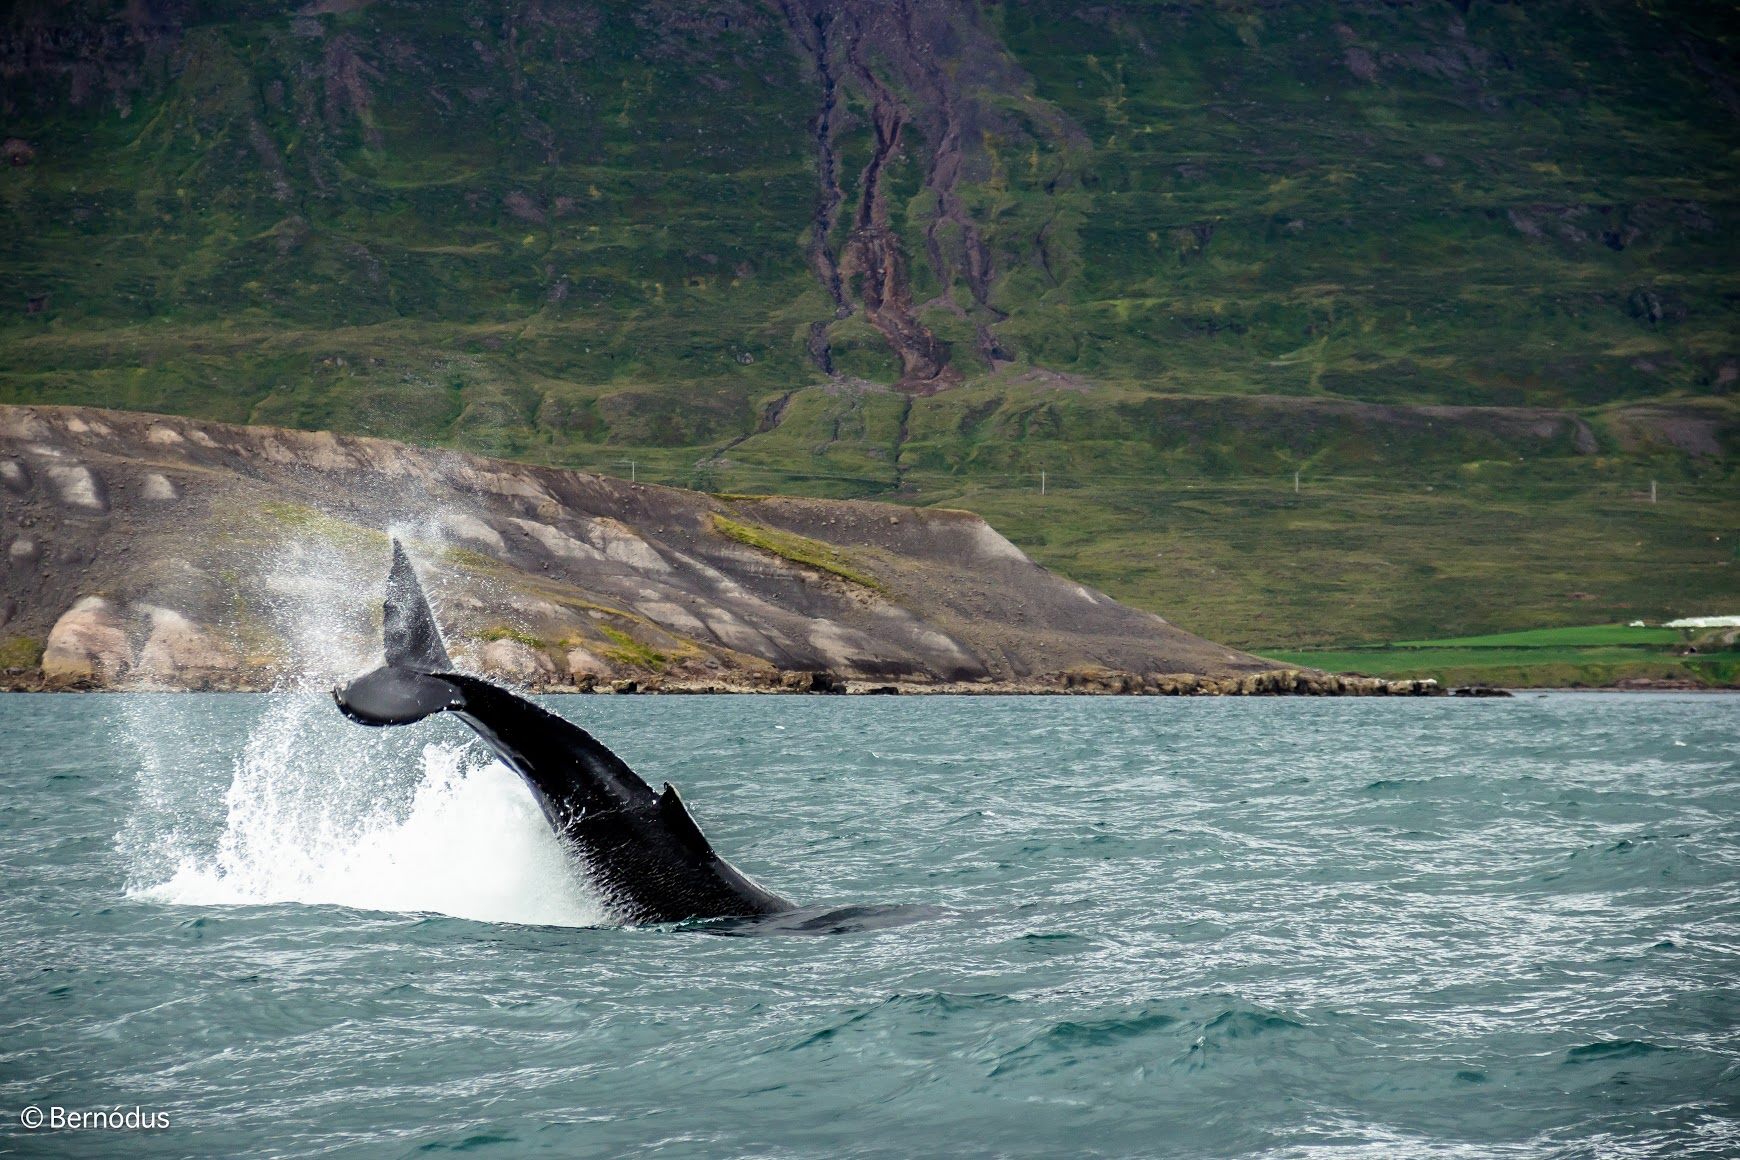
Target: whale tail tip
410 636
403 690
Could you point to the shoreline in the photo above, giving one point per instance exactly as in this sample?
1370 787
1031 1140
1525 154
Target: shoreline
1459 694
1284 682
1269 683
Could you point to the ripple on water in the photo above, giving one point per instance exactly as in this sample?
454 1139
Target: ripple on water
1029 927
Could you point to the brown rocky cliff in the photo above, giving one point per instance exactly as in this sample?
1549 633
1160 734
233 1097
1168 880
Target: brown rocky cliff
148 551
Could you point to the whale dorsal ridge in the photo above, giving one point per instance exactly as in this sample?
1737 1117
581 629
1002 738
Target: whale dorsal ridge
676 818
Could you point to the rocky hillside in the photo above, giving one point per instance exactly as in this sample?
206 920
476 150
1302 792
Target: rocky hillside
148 551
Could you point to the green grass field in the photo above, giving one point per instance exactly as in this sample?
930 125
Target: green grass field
1584 655
1579 637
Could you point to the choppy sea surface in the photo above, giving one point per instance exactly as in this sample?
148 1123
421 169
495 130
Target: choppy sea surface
1125 927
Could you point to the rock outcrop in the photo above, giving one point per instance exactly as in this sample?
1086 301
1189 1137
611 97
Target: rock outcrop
157 552
179 654
88 644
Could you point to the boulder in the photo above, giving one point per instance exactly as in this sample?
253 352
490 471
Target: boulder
516 661
14 475
584 664
812 682
88 643
158 488
78 486
181 654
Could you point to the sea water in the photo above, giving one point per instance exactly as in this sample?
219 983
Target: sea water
1132 927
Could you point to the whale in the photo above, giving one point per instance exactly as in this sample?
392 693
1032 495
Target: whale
640 850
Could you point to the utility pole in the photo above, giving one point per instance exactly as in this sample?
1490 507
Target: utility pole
630 463
1042 482
1295 483
1652 491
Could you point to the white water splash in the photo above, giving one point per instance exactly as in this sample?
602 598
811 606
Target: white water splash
322 812
322 597
315 595
319 810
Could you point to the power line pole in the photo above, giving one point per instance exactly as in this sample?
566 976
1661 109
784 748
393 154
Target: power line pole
630 463
1295 483
1042 482
1652 491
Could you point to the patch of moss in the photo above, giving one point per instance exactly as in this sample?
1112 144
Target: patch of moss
797 549
1717 672
504 632
631 652
313 522
20 652
466 558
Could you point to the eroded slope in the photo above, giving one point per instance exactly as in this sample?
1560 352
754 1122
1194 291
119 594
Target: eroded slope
157 550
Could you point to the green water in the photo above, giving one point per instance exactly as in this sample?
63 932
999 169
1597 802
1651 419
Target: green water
1133 927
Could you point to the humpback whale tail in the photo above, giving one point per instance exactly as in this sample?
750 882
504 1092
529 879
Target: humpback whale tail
644 853
404 689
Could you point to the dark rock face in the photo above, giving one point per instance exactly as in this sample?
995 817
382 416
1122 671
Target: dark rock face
919 69
161 552
1269 683
813 682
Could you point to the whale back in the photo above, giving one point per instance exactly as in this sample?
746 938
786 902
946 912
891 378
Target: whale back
643 852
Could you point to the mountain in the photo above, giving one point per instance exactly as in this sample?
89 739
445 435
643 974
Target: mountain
1468 268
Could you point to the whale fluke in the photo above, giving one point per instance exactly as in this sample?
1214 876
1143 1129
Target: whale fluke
643 851
395 696
409 634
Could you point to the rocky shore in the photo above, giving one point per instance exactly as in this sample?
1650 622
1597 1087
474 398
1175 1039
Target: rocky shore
148 552
1273 683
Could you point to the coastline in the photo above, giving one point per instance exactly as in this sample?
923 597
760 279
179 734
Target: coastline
1271 683
1477 692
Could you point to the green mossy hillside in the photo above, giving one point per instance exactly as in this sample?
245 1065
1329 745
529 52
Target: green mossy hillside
1467 269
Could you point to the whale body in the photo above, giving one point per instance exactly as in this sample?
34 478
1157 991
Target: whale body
642 852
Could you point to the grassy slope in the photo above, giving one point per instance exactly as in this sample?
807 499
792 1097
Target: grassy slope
1581 636
578 239
1526 668
1374 238
1597 654
503 248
